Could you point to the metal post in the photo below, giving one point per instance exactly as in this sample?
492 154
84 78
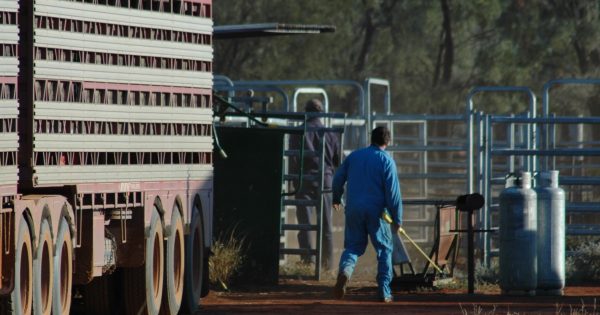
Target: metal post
319 237
470 251
530 144
482 176
546 106
552 130
469 119
390 125
425 158
488 190
510 138
480 154
579 160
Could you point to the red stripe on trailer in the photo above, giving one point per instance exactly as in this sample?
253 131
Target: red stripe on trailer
145 88
9 80
199 1
192 185
8 190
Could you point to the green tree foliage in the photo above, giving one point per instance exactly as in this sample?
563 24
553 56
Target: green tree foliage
433 52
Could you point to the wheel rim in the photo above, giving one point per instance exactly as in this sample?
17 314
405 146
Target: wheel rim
26 270
178 264
156 263
46 273
65 277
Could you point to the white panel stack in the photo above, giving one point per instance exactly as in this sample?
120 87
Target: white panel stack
121 94
9 70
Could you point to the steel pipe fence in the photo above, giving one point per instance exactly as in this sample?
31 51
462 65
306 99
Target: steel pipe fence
442 156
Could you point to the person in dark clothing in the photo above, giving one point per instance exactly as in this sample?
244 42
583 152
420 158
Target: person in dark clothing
309 189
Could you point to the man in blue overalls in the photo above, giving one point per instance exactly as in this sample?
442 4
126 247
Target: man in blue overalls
372 187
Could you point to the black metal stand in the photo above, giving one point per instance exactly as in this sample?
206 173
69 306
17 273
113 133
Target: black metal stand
471 252
468 204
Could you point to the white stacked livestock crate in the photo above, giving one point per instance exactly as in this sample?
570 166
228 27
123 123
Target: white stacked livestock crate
9 70
121 91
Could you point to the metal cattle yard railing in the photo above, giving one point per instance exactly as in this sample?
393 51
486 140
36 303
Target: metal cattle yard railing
554 143
443 156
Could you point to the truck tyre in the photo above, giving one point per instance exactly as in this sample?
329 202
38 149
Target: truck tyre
194 264
63 270
21 298
43 272
205 287
144 285
174 264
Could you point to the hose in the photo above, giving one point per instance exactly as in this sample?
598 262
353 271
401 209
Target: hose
217 144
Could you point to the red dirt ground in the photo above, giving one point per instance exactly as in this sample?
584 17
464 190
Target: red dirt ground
307 298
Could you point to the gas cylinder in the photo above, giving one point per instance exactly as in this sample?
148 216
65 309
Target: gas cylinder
551 234
518 248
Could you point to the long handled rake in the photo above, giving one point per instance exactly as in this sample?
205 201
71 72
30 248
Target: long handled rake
386 216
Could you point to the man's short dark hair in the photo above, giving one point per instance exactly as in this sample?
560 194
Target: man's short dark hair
313 105
381 136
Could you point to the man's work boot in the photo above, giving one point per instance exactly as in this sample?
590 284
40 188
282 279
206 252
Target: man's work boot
340 286
388 299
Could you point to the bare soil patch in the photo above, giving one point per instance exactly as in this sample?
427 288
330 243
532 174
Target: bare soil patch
308 297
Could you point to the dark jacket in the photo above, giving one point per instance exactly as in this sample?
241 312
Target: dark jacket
311 162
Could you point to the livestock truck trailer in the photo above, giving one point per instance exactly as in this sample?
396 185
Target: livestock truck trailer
106 173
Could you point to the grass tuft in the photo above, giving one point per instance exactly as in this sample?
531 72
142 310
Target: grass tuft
297 268
582 309
477 310
226 260
584 265
487 275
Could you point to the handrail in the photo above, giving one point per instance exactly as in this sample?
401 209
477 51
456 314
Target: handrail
239 111
310 90
226 80
548 85
386 102
546 105
280 91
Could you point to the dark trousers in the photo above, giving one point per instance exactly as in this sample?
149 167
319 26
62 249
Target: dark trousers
305 238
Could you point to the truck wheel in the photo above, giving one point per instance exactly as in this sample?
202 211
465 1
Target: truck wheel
144 285
63 270
20 300
174 263
43 272
194 264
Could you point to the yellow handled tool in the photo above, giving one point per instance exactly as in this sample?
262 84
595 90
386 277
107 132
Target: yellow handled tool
388 218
